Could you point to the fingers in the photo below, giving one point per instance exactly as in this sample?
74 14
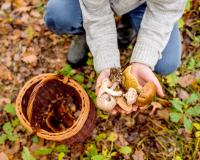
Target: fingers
104 74
152 78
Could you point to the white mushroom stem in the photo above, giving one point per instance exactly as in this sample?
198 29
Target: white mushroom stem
105 89
106 102
131 96
115 84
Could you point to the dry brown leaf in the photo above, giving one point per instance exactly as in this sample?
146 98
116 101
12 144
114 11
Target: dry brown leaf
15 149
35 14
163 102
35 2
163 114
4 100
6 6
5 28
182 94
3 156
186 80
122 140
138 155
30 59
19 3
5 73
2 15
197 74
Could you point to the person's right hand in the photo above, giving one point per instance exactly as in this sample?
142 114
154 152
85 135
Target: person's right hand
105 74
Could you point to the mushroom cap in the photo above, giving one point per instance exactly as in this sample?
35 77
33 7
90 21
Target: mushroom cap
131 96
106 102
122 103
147 94
128 80
108 87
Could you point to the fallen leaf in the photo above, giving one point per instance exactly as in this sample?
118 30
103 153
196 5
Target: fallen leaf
6 6
122 140
186 80
4 100
163 114
172 79
19 3
5 28
35 14
5 73
197 75
138 155
30 59
182 94
14 149
163 102
3 156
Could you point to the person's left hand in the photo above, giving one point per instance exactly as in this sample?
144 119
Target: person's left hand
143 74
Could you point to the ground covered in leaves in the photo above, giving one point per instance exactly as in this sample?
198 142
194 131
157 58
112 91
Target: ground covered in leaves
28 48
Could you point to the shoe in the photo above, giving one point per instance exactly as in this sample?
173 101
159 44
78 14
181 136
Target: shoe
77 53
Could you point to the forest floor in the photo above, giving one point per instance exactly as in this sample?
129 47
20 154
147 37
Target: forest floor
28 48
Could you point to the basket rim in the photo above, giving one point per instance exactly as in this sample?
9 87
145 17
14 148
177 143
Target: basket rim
69 132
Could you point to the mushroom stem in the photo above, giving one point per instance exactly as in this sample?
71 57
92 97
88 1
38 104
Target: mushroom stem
156 106
104 89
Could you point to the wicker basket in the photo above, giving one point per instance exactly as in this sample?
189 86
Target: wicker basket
83 125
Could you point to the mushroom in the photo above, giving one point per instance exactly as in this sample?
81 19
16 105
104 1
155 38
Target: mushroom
147 94
105 88
105 99
106 102
156 106
131 96
122 103
128 80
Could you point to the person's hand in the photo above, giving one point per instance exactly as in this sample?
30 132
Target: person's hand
103 75
144 74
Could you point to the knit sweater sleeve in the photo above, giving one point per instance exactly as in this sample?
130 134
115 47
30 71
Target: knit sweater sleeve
101 35
156 27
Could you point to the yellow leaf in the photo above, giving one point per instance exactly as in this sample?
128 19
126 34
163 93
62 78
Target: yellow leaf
197 126
197 134
112 137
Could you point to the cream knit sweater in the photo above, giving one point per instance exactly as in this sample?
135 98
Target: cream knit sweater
154 33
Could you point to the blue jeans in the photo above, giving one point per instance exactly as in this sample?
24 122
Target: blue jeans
65 17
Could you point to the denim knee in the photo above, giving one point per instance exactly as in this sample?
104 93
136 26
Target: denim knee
167 68
64 16
171 55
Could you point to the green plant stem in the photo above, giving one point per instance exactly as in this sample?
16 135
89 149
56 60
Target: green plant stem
196 149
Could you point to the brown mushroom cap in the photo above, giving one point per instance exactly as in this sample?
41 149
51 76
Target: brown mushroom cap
122 103
147 94
128 80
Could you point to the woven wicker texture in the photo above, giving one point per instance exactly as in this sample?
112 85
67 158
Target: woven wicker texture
33 95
